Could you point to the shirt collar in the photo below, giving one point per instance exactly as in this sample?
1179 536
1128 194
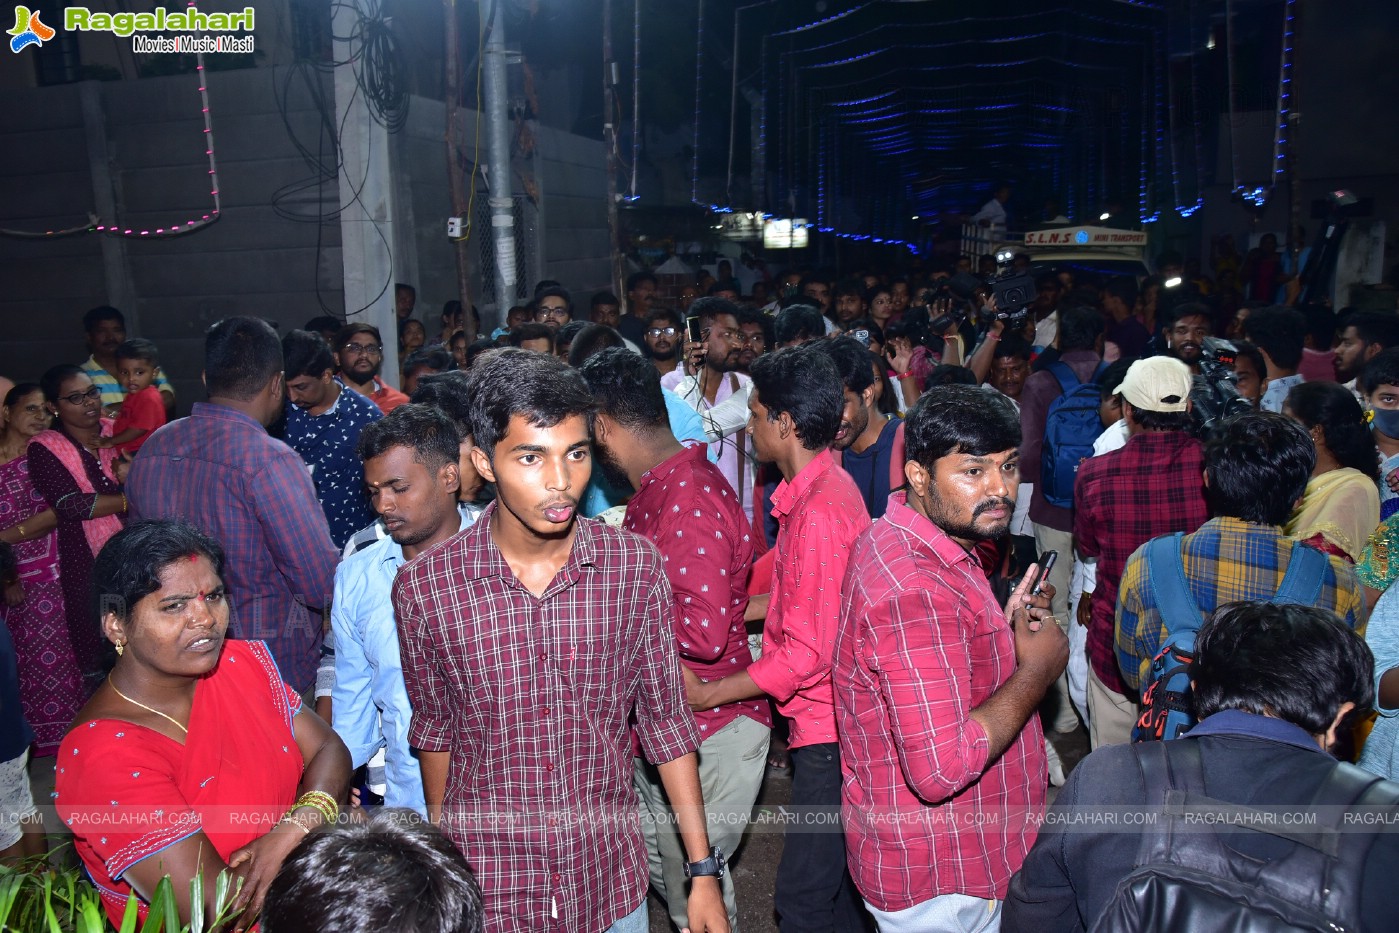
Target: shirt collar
393 551
787 493
481 548
1239 722
224 413
902 515
663 470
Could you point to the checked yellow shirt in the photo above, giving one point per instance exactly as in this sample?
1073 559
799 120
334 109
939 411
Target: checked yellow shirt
1225 561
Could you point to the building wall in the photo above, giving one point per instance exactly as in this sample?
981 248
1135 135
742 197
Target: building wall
255 260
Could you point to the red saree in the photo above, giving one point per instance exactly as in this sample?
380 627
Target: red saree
128 792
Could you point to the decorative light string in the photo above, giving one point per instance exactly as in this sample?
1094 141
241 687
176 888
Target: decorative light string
113 228
1195 117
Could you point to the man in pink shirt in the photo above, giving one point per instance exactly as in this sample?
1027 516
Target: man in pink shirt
687 509
936 691
795 408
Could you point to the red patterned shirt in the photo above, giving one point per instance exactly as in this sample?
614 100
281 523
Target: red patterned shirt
821 514
922 643
687 508
1153 486
531 696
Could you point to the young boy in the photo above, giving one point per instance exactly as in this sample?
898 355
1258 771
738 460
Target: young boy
142 411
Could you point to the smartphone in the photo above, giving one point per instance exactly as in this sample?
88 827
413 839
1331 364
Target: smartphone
692 328
1047 560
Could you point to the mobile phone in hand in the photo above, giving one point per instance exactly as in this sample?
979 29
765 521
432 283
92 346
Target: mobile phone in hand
692 328
1047 560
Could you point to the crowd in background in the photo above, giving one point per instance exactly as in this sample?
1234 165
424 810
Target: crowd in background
880 533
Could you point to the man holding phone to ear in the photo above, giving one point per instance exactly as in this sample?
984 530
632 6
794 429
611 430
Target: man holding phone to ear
936 686
713 387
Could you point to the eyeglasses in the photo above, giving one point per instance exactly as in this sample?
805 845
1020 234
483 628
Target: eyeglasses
662 332
362 349
77 398
543 313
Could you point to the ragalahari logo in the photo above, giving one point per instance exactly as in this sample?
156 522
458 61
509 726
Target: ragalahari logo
29 30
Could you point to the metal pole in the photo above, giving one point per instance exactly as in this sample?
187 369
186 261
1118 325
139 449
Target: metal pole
366 188
454 172
609 141
498 137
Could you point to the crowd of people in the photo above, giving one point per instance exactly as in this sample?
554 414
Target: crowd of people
555 607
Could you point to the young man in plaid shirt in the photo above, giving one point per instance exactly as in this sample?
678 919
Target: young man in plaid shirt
1256 467
1153 486
533 644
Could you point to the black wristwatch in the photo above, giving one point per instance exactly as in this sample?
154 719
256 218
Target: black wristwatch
712 866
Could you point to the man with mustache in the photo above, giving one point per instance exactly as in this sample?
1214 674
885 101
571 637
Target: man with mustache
1185 330
534 645
720 393
936 686
662 338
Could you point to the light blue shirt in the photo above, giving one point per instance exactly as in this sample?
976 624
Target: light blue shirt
1277 390
1381 752
369 702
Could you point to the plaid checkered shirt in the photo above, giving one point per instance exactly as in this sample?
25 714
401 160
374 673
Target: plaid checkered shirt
1153 486
531 695
1227 560
922 642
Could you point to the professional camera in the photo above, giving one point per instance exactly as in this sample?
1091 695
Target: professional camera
1215 393
1014 292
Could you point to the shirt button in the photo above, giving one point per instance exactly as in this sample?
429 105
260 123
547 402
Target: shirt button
548 766
546 711
543 655
556 878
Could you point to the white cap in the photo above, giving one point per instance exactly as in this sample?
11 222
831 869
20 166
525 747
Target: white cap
1157 383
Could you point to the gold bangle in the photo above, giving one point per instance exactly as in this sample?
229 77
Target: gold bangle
21 531
312 796
123 503
321 802
297 823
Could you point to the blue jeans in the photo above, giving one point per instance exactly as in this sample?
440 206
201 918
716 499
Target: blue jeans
638 921
814 891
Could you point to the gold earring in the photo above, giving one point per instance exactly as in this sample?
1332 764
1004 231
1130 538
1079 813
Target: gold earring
121 647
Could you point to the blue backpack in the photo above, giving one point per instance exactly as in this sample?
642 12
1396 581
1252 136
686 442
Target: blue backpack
1166 712
1070 428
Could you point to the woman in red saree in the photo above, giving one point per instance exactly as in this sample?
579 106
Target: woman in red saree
193 756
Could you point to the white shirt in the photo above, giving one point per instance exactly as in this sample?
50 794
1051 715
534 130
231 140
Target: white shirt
725 423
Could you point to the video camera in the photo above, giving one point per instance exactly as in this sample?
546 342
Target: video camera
1215 394
1013 291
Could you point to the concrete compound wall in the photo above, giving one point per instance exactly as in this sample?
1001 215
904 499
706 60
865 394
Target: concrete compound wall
134 151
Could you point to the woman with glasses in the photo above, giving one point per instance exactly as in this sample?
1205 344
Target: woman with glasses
82 483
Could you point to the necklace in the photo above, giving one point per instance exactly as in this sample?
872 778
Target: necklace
148 709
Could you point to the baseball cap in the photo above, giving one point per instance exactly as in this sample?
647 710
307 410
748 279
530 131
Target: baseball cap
1157 383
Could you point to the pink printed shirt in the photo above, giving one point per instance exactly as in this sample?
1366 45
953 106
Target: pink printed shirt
688 510
821 514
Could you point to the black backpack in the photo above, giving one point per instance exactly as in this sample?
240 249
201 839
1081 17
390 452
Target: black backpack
1186 879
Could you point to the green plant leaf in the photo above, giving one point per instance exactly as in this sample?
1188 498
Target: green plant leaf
132 914
196 903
